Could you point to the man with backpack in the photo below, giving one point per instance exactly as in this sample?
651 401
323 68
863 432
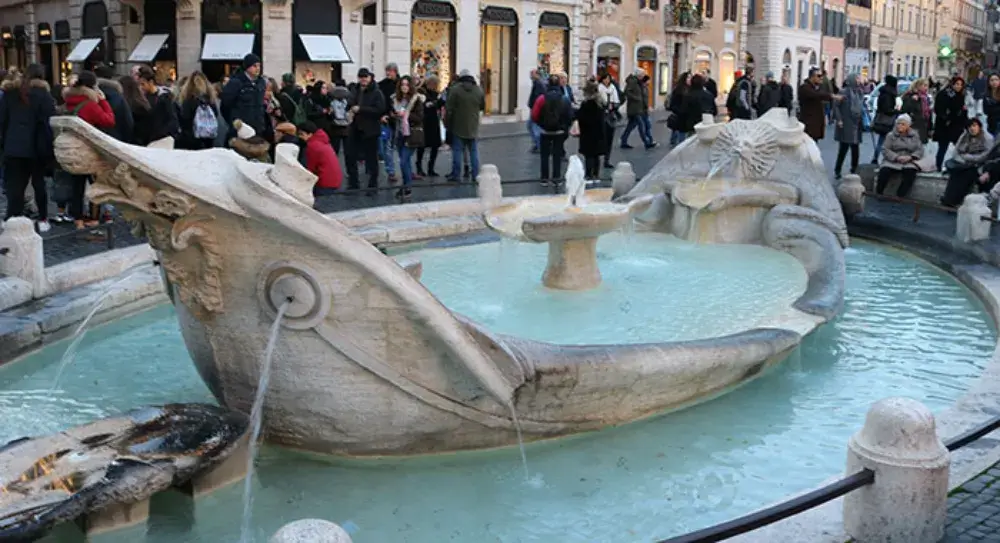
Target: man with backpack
340 115
290 98
738 102
553 113
637 109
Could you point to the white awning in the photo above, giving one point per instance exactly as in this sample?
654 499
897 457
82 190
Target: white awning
325 48
83 49
148 47
226 46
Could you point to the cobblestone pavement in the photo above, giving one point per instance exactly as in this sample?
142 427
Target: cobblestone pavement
974 510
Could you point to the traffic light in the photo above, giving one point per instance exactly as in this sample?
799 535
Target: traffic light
945 51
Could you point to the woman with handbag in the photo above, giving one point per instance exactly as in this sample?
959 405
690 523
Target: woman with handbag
26 141
408 112
847 115
612 101
433 104
589 127
963 169
951 114
885 114
674 106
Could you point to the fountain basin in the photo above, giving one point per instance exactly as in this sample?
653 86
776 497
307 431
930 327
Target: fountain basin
723 210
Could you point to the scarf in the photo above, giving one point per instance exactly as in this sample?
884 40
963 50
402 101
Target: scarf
925 103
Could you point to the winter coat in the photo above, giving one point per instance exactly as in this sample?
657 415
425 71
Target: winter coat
157 122
412 131
339 130
712 87
811 113
24 127
95 112
770 97
636 96
590 118
317 106
696 103
973 150
537 90
787 97
565 111
243 99
371 107
465 102
122 131
189 108
388 88
847 113
951 115
991 108
921 123
898 145
432 118
322 161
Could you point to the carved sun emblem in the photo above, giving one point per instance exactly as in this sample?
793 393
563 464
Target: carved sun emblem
751 146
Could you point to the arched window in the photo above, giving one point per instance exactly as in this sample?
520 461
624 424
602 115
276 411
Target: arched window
95 19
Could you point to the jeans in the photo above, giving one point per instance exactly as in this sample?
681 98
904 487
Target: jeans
458 147
535 132
386 148
878 148
552 146
677 137
644 125
941 152
842 154
362 148
405 163
18 174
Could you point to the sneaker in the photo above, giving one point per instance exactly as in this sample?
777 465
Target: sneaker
653 145
44 226
609 166
627 146
545 183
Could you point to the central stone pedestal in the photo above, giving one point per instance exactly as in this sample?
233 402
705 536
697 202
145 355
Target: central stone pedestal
572 265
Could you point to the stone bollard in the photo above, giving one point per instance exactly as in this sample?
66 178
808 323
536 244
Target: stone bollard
868 173
489 188
851 194
969 226
24 258
909 499
310 530
622 180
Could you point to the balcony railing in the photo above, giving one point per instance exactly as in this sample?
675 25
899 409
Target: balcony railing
682 15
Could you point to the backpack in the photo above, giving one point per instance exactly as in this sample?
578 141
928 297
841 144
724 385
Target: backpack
206 124
733 100
552 113
298 114
338 111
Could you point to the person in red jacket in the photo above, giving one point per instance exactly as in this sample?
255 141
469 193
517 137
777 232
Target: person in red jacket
86 101
320 159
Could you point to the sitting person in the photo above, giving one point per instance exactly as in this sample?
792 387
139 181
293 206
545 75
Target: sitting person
901 151
320 159
963 169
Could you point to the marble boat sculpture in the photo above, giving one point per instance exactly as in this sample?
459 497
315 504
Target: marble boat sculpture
369 362
47 480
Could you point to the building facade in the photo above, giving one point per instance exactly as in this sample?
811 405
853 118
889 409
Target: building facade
832 45
904 37
784 36
36 31
858 39
968 39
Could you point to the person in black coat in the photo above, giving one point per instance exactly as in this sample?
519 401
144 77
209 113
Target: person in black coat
160 121
113 93
432 126
770 95
590 119
951 117
787 94
697 102
317 104
555 120
675 107
197 92
26 141
991 105
243 99
368 107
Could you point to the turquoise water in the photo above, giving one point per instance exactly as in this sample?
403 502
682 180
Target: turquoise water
907 329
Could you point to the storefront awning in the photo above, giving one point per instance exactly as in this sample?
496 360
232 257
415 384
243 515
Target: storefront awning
227 46
325 48
83 49
148 47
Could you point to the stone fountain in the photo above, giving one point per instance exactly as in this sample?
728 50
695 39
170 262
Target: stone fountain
369 362
570 225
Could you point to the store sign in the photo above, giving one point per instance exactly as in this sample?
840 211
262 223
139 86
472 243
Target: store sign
439 11
646 54
44 33
549 19
499 16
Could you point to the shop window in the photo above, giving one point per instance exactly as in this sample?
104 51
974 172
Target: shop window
369 15
432 40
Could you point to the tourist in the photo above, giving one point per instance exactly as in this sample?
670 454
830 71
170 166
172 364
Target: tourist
160 121
978 86
847 116
554 115
901 152
317 106
590 119
340 116
991 105
112 89
612 102
290 98
885 114
243 98
739 98
917 104
674 104
87 102
637 109
137 105
286 132
787 94
537 90
320 159
432 126
368 107
812 97
386 142
710 85
26 139
465 103
971 151
770 95
199 117
697 102
950 115
408 125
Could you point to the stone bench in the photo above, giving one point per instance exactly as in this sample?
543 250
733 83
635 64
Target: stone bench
927 189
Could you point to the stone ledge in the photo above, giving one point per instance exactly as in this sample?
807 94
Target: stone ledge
928 188
14 292
90 269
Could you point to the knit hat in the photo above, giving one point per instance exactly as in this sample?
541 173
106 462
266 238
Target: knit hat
250 60
770 76
904 118
288 78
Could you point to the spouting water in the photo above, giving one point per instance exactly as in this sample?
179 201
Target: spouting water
520 441
256 422
576 185
81 330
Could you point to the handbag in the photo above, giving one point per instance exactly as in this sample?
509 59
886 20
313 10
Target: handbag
883 123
